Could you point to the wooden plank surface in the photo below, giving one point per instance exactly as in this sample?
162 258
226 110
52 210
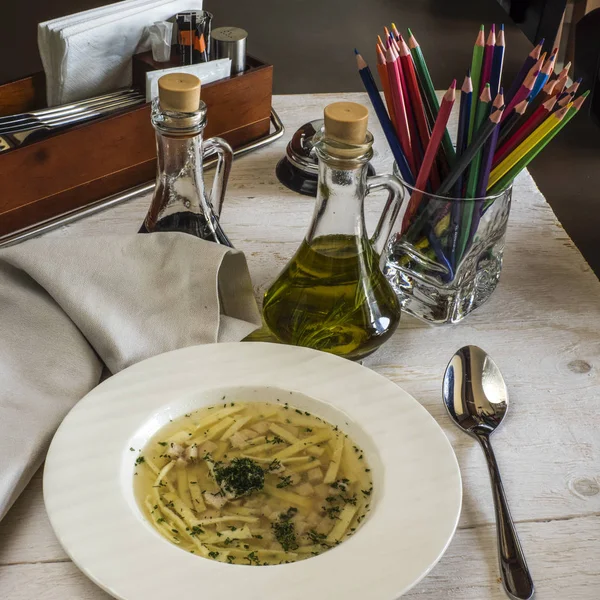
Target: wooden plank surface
542 326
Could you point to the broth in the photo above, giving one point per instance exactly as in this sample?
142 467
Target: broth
253 483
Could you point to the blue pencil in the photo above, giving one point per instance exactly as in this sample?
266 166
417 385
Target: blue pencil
531 59
384 119
497 62
543 75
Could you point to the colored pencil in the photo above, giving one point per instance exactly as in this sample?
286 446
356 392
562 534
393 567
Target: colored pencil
483 113
380 43
476 63
395 31
543 75
563 73
429 91
498 62
505 181
531 59
488 59
525 146
528 127
522 94
561 84
385 84
489 150
513 119
384 120
565 97
479 139
466 99
427 166
387 34
415 99
399 103
546 93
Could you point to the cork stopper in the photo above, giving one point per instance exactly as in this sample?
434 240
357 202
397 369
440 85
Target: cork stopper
179 92
346 122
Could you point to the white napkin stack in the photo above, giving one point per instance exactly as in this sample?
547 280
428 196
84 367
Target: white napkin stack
89 53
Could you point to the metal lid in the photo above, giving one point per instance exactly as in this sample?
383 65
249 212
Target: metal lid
300 150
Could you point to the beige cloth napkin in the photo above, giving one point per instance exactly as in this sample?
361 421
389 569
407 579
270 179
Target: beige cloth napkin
68 307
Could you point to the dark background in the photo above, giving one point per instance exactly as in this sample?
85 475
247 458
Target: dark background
310 43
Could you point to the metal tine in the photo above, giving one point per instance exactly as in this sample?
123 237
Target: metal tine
66 108
84 113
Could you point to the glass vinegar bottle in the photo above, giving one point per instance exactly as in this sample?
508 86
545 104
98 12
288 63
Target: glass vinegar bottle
180 201
332 295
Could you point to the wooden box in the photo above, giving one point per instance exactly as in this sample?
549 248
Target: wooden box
83 164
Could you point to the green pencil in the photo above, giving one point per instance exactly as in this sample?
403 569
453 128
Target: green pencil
510 175
483 112
429 92
476 64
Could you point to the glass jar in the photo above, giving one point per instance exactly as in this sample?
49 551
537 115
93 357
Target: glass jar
446 260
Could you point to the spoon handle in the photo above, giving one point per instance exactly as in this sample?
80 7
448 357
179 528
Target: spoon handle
513 568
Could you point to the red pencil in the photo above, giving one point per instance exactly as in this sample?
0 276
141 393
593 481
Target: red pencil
385 84
433 147
414 96
521 94
536 119
488 57
399 104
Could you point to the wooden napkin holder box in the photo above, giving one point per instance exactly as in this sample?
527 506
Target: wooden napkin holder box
88 162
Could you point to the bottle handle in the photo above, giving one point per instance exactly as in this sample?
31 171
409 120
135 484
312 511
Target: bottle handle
391 209
222 149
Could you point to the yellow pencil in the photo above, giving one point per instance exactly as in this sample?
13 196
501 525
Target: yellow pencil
527 144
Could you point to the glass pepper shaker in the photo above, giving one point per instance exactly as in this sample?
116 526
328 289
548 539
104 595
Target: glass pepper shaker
332 295
180 202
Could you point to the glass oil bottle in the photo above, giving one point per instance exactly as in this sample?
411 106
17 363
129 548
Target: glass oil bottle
180 201
332 295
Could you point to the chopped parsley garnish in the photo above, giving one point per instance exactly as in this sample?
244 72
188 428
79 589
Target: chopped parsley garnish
240 478
214 554
196 530
285 480
317 538
274 440
163 444
274 465
285 531
332 511
139 460
367 492
252 558
230 558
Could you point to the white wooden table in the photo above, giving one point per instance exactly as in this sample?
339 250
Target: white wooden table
542 326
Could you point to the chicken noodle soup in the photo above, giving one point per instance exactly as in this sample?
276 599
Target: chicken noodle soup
253 483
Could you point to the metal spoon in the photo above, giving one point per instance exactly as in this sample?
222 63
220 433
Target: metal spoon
476 399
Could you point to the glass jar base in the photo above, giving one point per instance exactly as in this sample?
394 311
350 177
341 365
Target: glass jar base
437 303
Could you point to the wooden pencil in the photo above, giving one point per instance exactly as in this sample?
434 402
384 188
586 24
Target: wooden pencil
476 63
488 59
508 178
563 73
543 75
513 120
522 94
462 137
531 59
567 95
414 96
479 139
384 119
561 84
395 31
489 150
526 145
497 62
429 91
399 103
483 112
385 84
430 153
530 125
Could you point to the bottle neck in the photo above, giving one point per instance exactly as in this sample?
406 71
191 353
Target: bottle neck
340 197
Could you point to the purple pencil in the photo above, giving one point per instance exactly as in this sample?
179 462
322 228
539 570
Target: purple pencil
488 58
489 149
533 57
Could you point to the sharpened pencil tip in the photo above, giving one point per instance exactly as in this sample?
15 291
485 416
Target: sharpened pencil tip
579 80
355 51
409 31
502 27
481 27
453 84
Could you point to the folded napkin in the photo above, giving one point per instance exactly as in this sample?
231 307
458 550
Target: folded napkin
70 306
89 53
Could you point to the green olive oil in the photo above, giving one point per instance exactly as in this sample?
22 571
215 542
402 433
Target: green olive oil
333 297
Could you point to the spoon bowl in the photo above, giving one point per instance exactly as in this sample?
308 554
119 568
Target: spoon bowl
474 391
